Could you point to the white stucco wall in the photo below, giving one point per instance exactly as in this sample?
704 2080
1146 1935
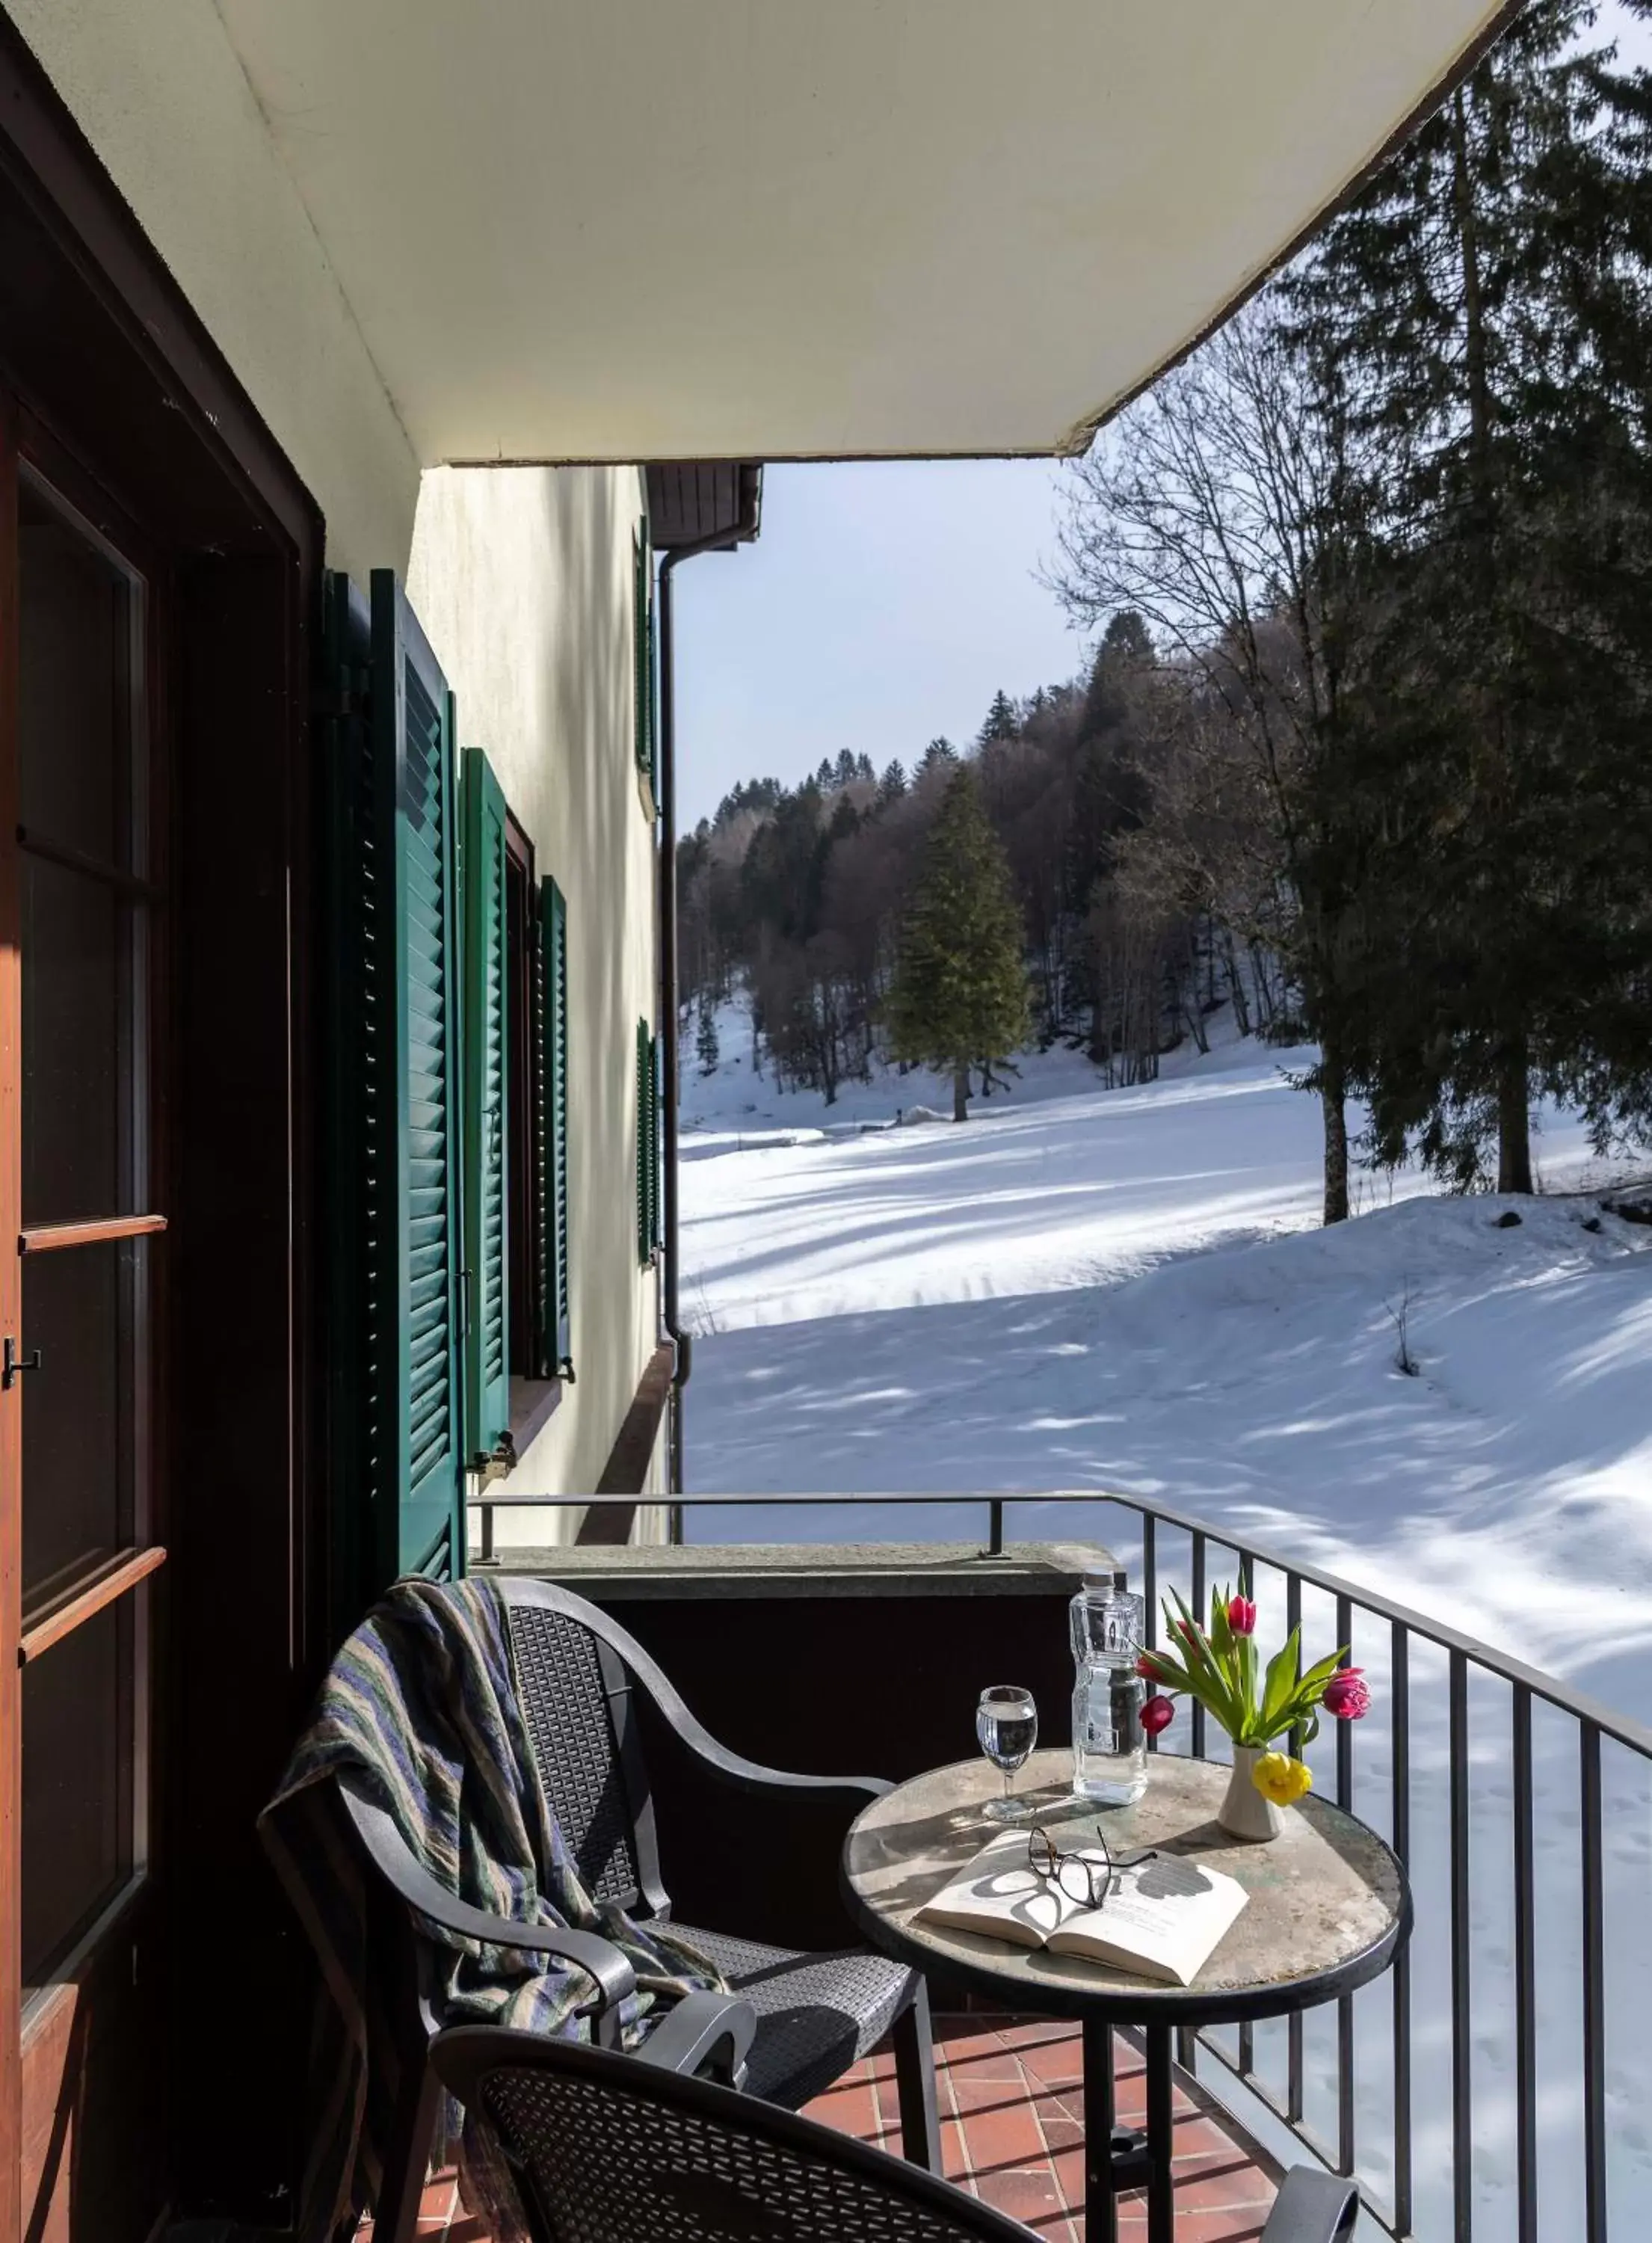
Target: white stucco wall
522 577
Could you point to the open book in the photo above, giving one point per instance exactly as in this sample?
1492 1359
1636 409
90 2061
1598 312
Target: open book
1162 1917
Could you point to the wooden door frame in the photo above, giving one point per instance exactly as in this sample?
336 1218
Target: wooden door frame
99 343
10 1320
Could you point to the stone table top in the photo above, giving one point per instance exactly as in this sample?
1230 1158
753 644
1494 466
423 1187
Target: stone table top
1327 1906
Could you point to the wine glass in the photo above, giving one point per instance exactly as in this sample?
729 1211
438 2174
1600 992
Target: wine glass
1006 1723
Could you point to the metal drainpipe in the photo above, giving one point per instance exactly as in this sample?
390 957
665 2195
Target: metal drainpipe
723 541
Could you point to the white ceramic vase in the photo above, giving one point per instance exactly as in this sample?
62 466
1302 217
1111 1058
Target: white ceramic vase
1244 1813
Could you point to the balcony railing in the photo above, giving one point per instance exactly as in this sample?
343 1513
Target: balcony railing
1492 2086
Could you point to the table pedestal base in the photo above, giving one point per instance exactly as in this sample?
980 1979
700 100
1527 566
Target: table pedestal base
1120 2158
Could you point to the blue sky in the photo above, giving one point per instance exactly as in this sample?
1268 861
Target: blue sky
882 604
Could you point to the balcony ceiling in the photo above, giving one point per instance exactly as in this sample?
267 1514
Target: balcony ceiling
742 229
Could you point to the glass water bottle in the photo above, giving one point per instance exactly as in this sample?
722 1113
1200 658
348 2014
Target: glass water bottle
1109 1751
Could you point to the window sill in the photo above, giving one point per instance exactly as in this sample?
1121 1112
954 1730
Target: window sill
534 1403
645 795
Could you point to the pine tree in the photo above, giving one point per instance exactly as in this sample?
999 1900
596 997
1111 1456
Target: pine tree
864 766
1479 314
844 773
959 997
1002 722
940 750
706 1039
892 786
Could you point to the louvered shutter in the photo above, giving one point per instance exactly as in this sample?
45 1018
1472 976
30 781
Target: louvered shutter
552 1109
486 1061
642 659
656 1103
645 1104
392 1177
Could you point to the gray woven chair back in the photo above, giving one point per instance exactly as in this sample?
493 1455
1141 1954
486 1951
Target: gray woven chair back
571 1727
607 2150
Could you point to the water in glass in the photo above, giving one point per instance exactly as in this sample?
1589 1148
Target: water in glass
1006 1725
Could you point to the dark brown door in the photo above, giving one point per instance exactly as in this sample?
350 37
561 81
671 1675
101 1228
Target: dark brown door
82 872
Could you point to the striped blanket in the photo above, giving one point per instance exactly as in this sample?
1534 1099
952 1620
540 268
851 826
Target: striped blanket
422 1702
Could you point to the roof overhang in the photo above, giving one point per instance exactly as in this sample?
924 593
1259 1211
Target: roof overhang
724 229
712 503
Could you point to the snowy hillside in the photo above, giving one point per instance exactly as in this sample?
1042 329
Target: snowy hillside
1085 1288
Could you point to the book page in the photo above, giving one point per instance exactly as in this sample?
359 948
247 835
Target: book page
1163 1917
1001 1895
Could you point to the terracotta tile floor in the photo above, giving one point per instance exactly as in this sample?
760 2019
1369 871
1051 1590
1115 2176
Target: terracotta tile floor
1011 2129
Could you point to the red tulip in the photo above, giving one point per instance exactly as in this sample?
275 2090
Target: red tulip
1149 1668
1187 1631
1347 1696
1158 1714
1241 1616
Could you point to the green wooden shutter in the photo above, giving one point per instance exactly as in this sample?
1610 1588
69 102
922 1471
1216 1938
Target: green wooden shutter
645 1107
656 1102
486 1063
642 657
391 1193
556 1342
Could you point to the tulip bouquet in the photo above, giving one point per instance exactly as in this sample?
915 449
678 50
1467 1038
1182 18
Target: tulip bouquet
1219 1667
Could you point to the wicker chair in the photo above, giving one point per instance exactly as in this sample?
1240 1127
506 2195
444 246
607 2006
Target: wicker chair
604 2150
798 2020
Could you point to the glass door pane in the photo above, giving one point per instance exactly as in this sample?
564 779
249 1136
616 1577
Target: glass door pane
87 908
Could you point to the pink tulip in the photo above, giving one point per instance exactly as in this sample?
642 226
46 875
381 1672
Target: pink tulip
1241 1616
1347 1696
1158 1714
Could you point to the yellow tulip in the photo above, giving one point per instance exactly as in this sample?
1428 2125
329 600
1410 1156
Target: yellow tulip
1281 1779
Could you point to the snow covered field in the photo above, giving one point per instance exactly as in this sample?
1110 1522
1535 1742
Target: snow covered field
1128 1290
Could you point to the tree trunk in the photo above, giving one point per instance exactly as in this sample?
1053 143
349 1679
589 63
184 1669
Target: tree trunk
1513 1119
960 1094
1333 1100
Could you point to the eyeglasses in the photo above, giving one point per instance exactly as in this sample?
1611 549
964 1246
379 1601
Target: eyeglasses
1075 1875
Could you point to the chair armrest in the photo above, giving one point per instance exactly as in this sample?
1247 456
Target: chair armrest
703 2032
1312 2207
388 1850
774 1782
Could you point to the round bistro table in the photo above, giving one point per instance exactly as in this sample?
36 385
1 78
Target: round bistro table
1329 1906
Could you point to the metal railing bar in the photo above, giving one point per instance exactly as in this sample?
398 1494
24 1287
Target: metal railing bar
1345 2006
1246 2063
1594 1990
1462 2098
1525 1976
1293 2022
1635 1735
1399 1732
1150 1587
1197 1602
